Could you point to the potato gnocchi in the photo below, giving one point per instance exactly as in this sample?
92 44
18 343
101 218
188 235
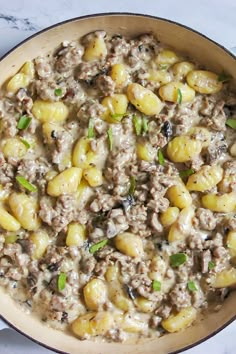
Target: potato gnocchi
117 188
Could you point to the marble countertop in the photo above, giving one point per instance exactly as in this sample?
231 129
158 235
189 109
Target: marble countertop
20 19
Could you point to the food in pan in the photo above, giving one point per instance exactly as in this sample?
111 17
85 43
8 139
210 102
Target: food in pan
117 188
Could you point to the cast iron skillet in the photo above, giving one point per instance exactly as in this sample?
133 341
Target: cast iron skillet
185 40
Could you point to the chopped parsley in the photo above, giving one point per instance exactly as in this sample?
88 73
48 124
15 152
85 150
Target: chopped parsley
27 185
24 122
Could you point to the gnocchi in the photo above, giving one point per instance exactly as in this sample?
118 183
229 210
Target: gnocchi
224 203
46 111
82 155
183 149
25 209
205 179
95 294
65 183
177 92
204 81
129 244
115 108
179 196
144 100
180 321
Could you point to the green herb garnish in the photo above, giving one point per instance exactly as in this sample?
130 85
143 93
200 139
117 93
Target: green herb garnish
156 285
61 281
192 286
145 125
91 133
137 124
117 115
163 66
26 143
231 123
23 122
178 259
27 185
179 96
97 246
58 92
223 77
140 125
186 173
211 265
110 138
161 158
132 185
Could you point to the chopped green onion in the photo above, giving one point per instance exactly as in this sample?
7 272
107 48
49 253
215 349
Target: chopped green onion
132 185
145 125
91 133
161 158
26 143
24 183
140 124
156 285
61 281
223 77
97 246
137 124
211 265
10 239
163 66
58 92
228 245
178 259
179 96
117 115
192 286
23 122
186 173
110 138
231 123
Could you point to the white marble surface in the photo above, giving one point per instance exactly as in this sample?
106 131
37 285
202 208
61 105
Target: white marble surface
21 18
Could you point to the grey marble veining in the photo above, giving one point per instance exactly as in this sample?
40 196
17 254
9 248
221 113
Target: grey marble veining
21 24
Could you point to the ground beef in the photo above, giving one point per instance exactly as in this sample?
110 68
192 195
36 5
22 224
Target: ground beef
9 125
43 67
89 71
7 173
105 84
68 57
25 102
33 170
63 144
228 183
87 263
180 296
137 220
205 259
116 223
216 149
64 210
90 109
205 219
217 117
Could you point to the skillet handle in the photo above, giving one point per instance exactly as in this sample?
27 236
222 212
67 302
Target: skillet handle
3 325
233 50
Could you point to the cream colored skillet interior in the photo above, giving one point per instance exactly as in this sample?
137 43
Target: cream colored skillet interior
189 43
